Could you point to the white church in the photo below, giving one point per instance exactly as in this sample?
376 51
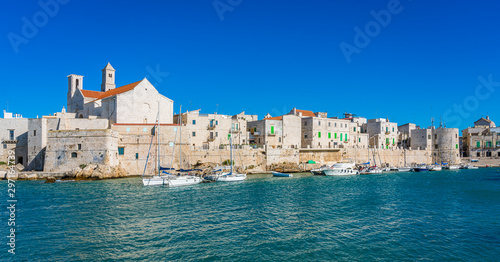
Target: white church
134 103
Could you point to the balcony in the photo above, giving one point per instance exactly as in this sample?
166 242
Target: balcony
211 127
387 133
234 131
271 134
210 139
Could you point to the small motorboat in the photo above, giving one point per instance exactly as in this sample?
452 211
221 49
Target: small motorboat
279 174
404 169
421 169
435 168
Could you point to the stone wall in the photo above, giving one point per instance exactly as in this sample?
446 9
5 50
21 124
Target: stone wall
68 149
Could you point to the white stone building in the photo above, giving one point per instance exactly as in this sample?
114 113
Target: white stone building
13 137
382 133
276 132
133 103
482 140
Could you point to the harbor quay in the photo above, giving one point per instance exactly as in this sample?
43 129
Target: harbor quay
114 127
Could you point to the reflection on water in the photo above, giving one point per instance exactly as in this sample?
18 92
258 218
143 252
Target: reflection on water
407 216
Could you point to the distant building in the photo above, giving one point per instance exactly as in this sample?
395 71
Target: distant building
442 143
13 137
482 140
133 103
276 132
382 133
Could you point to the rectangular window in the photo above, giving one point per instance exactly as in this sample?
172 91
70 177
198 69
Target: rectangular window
136 155
194 133
387 140
386 129
456 146
329 135
305 123
255 129
329 124
144 129
354 129
345 137
359 140
478 144
216 134
216 123
194 122
335 124
319 134
340 136
393 129
128 129
121 151
393 141
305 135
79 146
428 136
319 123
335 135
488 143
272 129
11 134
34 132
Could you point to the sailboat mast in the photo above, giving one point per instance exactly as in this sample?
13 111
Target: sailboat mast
231 152
180 137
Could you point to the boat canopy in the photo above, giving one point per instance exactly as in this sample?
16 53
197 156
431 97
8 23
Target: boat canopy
367 163
166 168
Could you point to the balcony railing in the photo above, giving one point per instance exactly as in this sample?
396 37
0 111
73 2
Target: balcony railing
210 139
234 131
9 141
211 127
271 134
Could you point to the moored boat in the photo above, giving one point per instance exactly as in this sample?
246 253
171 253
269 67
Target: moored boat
404 169
422 168
341 169
320 171
279 174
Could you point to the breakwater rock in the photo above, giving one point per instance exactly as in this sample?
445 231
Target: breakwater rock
287 167
95 172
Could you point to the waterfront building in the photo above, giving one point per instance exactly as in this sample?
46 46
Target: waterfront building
13 137
276 132
442 143
404 134
482 140
132 103
382 133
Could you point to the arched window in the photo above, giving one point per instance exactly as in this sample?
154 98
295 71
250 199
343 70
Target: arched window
74 155
77 83
81 116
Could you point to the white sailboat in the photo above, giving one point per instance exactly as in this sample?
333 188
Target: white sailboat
230 176
160 177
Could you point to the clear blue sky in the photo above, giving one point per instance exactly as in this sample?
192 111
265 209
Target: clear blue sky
264 56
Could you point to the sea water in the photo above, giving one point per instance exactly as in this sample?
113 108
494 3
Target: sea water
437 216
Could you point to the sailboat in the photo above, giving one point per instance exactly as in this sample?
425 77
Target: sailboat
160 176
230 176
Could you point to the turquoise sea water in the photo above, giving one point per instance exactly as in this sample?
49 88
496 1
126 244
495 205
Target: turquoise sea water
437 216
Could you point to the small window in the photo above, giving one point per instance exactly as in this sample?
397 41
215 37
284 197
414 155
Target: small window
216 122
279 139
335 135
74 155
436 146
305 123
428 136
79 146
393 129
319 134
4 146
335 124
194 122
354 129
136 155
305 135
34 132
435 136
110 75
359 140
121 151
144 129
194 133
128 129
216 134
478 144
11 134
329 124
329 135
319 123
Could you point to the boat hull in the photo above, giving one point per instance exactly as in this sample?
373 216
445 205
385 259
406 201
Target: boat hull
318 172
231 177
278 174
171 182
420 169
341 172
404 169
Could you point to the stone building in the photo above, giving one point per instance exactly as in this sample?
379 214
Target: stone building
441 142
13 137
208 131
137 102
382 133
482 140
404 134
276 132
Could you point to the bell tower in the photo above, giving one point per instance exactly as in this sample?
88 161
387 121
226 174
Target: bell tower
108 78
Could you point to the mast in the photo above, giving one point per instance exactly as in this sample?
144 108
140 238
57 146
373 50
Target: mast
231 153
180 137
158 137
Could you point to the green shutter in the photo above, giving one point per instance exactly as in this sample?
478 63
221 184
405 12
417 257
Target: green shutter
345 137
359 140
335 136
354 129
393 141
456 146
272 129
319 134
121 151
255 129
228 136
478 144
387 140
340 136
329 135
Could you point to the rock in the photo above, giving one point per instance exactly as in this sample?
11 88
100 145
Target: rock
23 177
50 179
32 177
88 170
12 176
19 167
3 174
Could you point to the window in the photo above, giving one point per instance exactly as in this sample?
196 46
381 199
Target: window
478 154
216 122
305 123
216 134
488 143
359 140
329 124
79 146
136 155
341 125
354 129
255 129
335 135
34 132
435 136
387 140
144 129
194 122
11 134
436 146
335 124
478 144
272 129
456 146
4 146
393 141
428 136
279 139
393 129
319 123
110 75
73 155
340 136
128 129
346 138
319 134
194 133
387 129
329 135
305 135
121 151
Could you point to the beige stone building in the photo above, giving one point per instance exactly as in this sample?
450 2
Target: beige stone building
441 142
482 140
136 102
382 133
13 137
276 132
208 131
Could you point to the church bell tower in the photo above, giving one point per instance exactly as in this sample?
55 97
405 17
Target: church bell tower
108 78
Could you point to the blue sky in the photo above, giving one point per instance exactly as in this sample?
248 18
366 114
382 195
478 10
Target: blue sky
262 56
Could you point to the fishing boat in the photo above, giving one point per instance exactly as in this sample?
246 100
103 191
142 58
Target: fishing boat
163 176
452 167
370 170
230 176
469 166
405 169
279 174
435 168
422 168
342 169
